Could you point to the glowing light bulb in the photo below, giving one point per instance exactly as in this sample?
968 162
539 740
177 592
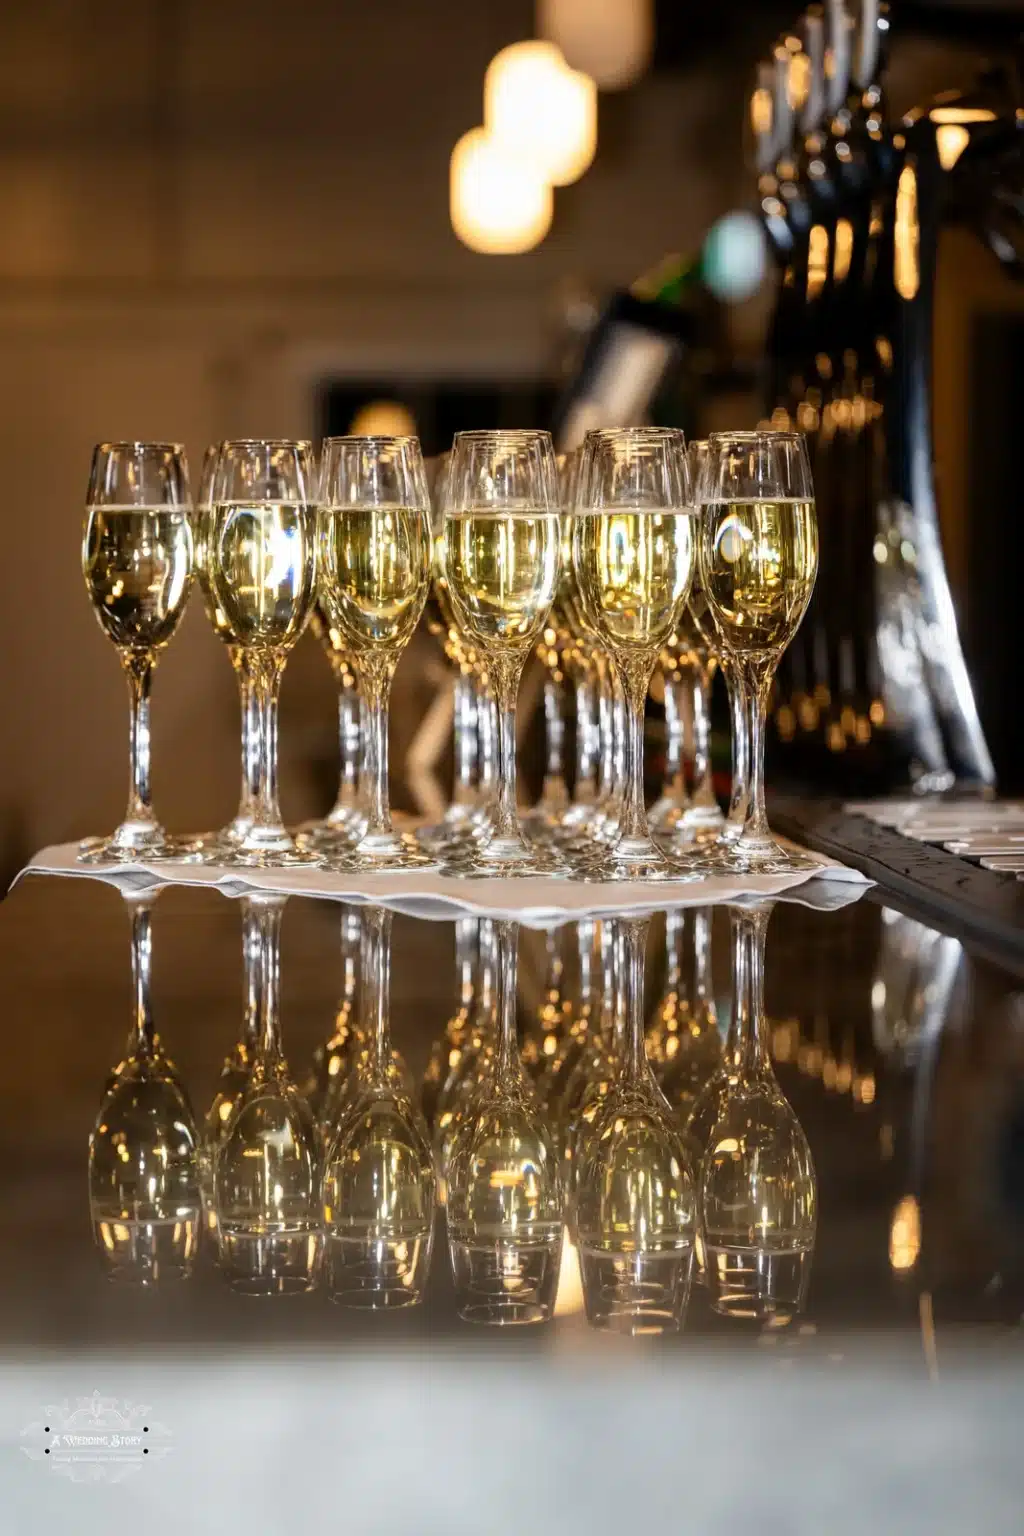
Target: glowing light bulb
537 107
499 204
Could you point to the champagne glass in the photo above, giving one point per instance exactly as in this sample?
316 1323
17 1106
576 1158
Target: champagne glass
634 556
260 556
378 1184
684 1045
500 562
374 539
143 1151
137 557
758 560
213 846
345 822
266 1172
504 1198
758 1190
635 1195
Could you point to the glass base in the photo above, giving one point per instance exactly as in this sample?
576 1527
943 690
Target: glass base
140 1251
757 1283
377 1274
335 833
509 858
383 851
288 857
634 858
138 843
506 1284
469 830
273 1263
638 1293
762 856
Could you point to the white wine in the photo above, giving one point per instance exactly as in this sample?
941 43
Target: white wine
633 574
261 570
374 573
758 564
137 563
502 572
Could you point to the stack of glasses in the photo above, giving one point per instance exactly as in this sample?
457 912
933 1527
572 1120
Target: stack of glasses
635 552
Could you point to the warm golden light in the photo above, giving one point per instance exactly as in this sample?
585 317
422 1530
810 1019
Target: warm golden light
905 1235
951 139
537 107
962 115
843 250
499 204
381 418
817 260
612 40
569 1296
761 111
906 265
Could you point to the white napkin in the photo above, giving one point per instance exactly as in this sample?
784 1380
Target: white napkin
537 903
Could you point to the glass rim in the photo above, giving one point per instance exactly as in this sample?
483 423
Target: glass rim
767 434
491 434
264 442
639 432
370 437
496 509
135 444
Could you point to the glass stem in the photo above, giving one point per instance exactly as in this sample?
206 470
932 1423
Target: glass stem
703 795
702 977
586 933
737 685
376 675
487 739
633 938
252 963
636 677
139 671
349 744
250 740
507 672
554 795
606 702
467 944
266 686
675 927
465 743
587 737
264 942
675 774
749 931
141 1042
759 684
376 971
508 1069
351 958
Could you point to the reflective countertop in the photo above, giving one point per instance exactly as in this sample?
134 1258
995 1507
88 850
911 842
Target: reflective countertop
885 1398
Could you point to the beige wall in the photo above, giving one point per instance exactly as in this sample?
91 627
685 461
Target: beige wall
205 207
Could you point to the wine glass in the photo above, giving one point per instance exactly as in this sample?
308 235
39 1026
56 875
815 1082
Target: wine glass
374 541
758 1189
266 1171
144 1194
635 1197
683 1044
345 822
447 1051
211 846
137 558
504 1198
634 555
758 561
500 561
260 559
378 1182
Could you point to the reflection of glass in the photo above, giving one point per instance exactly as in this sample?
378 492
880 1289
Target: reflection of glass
583 1010
758 1191
553 1013
332 1059
597 1065
378 1185
504 1188
143 1150
265 1177
447 1051
237 1068
683 1044
634 1197
137 556
470 1061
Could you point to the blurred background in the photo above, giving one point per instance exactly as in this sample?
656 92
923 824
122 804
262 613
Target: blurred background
221 218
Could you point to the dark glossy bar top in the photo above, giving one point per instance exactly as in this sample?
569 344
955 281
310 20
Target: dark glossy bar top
903 1059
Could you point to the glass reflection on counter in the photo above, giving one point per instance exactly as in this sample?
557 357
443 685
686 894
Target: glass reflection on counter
266 1165
144 1148
378 1182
